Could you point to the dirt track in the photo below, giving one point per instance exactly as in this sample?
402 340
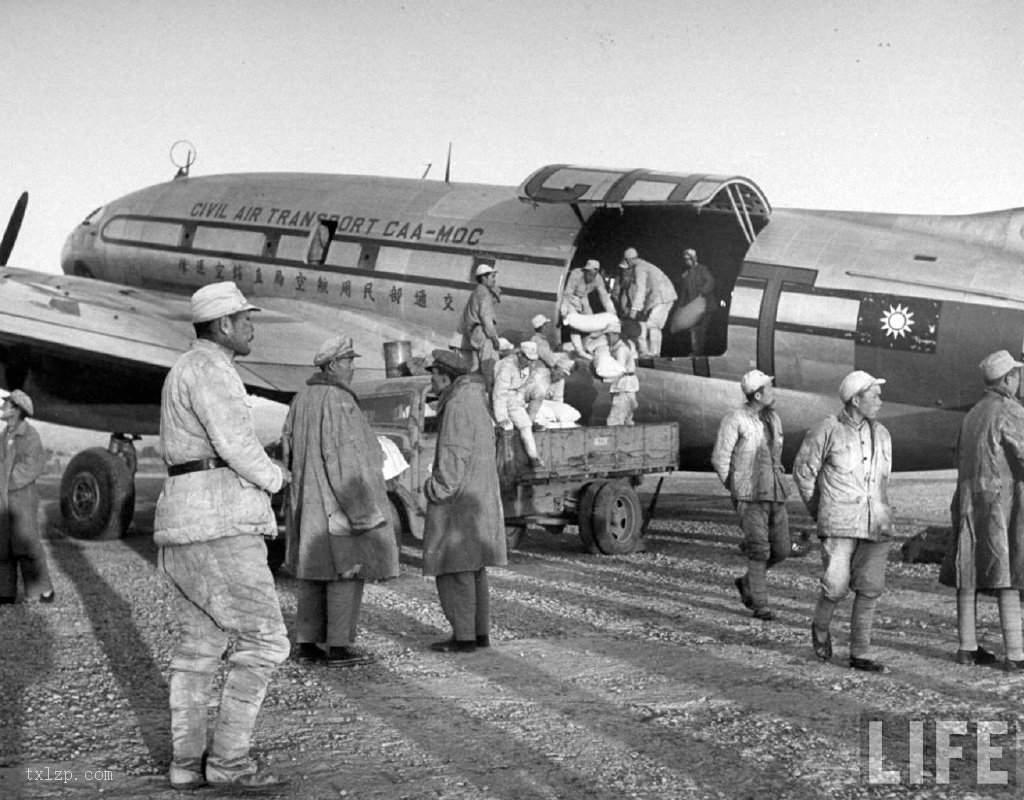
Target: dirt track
610 677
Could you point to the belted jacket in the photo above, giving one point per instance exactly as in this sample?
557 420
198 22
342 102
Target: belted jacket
205 412
628 381
847 495
746 460
479 317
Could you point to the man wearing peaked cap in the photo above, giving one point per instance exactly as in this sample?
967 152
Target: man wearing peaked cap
464 532
987 549
339 529
337 347
842 472
211 519
21 463
748 460
623 389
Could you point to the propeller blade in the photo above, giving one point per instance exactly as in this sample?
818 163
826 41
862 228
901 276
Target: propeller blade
13 226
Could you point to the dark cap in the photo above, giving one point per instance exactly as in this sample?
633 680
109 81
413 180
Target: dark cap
448 362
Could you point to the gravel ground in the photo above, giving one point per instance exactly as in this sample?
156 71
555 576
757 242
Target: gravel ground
635 676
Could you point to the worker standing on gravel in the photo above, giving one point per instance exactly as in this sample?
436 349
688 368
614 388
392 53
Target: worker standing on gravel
748 460
21 463
211 517
987 547
842 472
465 526
339 516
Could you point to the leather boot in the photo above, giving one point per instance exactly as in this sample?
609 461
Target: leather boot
189 698
244 690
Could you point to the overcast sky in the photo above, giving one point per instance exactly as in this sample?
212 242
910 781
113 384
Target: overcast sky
907 106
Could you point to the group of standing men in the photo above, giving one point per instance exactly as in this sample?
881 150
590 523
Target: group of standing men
214 511
842 472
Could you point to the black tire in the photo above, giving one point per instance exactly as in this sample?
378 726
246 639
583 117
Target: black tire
97 495
617 519
584 511
513 536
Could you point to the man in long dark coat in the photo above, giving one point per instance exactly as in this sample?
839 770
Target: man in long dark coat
987 547
339 526
465 526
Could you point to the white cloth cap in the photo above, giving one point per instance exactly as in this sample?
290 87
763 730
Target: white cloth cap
754 380
22 401
998 364
483 269
335 347
539 320
856 382
216 300
631 253
592 264
504 345
529 349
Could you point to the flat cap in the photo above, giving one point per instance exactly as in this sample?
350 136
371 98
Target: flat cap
998 364
216 300
529 349
22 401
856 382
593 264
483 269
754 380
539 320
631 253
504 345
335 347
448 362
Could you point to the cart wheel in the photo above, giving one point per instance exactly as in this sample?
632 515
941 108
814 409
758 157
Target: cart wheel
513 536
583 515
617 518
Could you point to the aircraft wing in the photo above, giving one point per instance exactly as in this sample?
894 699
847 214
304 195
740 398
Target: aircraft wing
113 328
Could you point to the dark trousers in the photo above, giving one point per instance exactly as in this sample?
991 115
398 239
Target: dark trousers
466 603
328 611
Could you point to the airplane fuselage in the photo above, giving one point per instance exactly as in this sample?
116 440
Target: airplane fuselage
916 300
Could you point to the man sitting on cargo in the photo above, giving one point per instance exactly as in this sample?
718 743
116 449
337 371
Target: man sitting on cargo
511 379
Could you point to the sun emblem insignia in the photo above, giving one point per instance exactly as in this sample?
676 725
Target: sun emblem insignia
897 321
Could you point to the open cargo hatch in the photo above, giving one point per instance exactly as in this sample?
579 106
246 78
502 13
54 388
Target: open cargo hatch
611 188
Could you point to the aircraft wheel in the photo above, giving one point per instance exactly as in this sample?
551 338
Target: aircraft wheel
513 536
584 510
97 495
617 517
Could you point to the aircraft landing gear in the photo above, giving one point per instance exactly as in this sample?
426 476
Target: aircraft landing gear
97 490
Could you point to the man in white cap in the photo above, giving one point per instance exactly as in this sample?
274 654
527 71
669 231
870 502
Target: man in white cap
987 550
579 286
508 401
21 463
339 527
211 518
624 388
464 531
842 472
651 295
540 325
697 282
479 324
748 460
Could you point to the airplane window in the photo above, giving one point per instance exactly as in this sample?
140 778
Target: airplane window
229 240
649 191
320 240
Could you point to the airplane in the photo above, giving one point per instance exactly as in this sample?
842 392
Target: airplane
803 295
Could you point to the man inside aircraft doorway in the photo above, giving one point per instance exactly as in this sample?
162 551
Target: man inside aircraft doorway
698 285
479 325
651 296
